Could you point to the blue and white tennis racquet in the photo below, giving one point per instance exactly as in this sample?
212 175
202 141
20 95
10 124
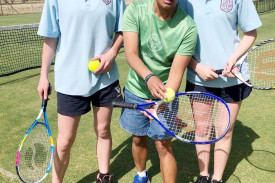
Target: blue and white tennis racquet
193 117
35 154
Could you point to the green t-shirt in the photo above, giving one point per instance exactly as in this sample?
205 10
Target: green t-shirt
159 42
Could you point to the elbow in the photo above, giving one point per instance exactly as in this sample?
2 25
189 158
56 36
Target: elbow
252 34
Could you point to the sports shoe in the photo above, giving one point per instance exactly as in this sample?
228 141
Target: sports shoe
139 179
105 179
203 179
215 181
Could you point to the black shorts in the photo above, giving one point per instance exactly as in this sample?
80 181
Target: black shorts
228 94
71 105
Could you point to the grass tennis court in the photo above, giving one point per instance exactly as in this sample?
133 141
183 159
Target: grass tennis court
252 158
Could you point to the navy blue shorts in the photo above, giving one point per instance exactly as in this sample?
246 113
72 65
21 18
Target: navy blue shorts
230 94
71 105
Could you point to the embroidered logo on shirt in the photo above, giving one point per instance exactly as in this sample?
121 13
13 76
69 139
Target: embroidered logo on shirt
226 5
118 90
154 43
107 1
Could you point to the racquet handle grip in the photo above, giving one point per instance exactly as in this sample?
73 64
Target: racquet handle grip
218 71
45 101
124 105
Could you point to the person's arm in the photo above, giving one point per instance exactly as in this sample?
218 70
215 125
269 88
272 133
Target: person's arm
176 73
107 59
177 70
154 84
48 52
246 42
205 72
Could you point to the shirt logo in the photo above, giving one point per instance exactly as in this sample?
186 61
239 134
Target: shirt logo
226 5
107 1
154 43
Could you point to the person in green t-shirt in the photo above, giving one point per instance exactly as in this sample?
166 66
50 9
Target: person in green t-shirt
159 41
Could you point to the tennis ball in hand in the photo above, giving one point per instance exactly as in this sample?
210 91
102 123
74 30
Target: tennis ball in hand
170 94
93 65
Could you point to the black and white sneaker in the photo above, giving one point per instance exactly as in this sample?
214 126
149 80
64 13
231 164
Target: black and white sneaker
103 179
203 179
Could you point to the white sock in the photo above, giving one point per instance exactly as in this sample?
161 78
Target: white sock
142 174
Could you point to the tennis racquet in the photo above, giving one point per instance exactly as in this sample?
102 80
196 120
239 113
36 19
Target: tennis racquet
35 153
261 67
192 117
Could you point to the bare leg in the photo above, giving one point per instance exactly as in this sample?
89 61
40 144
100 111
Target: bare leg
102 120
168 164
67 128
203 153
203 119
140 152
223 147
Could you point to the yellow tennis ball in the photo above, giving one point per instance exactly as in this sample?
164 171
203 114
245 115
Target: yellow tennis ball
93 65
170 94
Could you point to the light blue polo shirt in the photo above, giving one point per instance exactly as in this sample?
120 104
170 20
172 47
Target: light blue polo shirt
217 23
85 29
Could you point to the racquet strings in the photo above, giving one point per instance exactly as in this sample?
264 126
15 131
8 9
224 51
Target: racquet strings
35 154
262 65
195 117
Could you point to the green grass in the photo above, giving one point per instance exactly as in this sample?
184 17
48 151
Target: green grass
266 31
20 19
252 158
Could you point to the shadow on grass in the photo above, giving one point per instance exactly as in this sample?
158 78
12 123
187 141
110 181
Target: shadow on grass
185 154
243 137
122 164
262 160
17 80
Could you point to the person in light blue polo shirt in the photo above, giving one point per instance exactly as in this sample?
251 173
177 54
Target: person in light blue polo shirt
76 32
218 47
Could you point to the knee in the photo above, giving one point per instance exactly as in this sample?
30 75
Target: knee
65 143
228 136
164 147
139 141
103 133
203 130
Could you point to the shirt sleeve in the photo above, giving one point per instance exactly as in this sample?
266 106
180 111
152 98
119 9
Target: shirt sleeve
120 10
130 23
188 44
49 22
248 18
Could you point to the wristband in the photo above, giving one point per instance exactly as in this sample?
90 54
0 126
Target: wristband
148 77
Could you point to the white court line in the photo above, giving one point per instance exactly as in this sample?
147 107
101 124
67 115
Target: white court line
10 175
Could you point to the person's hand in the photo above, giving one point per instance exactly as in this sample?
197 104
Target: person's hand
227 72
43 88
150 110
156 87
206 72
106 62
